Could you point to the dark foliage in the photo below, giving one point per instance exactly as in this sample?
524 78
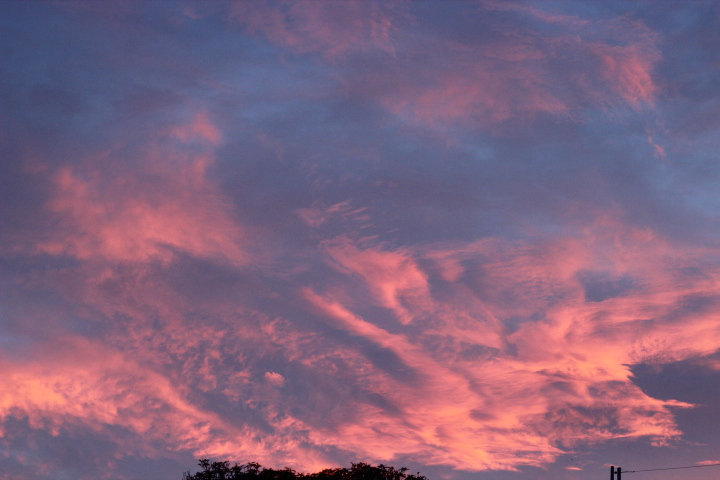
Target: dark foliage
253 471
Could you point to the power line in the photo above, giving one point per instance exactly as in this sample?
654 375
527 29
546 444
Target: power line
672 468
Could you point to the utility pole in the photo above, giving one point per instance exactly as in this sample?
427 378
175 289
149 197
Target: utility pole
615 471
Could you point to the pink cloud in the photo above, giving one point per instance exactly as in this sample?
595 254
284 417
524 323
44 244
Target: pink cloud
200 128
629 71
512 357
392 275
488 84
470 392
317 215
97 386
119 214
521 75
577 63
556 382
437 422
627 49
332 29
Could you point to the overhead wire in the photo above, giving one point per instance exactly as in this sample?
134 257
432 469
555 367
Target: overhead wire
671 468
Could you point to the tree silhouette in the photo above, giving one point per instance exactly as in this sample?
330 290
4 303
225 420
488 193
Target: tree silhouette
254 471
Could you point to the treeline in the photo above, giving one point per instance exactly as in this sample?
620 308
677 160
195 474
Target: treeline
254 471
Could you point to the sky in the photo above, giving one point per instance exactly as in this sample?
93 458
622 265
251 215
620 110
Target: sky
479 239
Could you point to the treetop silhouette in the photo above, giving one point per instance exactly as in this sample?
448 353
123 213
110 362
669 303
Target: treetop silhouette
254 471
